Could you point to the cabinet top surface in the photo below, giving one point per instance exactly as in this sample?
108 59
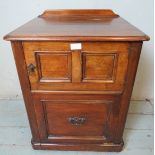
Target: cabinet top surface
78 25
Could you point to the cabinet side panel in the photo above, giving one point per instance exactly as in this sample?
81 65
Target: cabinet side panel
134 55
25 86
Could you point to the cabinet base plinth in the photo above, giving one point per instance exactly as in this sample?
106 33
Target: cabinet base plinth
108 147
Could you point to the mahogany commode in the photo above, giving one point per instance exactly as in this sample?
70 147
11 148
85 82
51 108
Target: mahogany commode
77 70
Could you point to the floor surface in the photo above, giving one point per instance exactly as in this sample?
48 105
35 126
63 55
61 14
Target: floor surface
15 134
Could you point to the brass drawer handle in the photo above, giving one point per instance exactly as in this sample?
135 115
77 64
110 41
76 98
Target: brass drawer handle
31 68
77 120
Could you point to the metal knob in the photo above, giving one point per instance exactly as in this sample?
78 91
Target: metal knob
77 120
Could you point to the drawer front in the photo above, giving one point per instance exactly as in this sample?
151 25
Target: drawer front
96 66
76 120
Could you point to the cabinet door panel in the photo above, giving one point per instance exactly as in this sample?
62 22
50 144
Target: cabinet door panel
53 66
98 66
105 63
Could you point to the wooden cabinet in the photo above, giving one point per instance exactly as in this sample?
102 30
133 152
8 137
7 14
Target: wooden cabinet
77 70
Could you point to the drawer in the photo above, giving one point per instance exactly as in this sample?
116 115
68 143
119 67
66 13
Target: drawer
96 66
76 120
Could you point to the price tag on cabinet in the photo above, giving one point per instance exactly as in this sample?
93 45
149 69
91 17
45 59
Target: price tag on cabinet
76 46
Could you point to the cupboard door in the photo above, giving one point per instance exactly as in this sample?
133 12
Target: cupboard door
97 66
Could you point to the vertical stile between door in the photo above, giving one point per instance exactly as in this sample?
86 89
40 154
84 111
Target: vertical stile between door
76 66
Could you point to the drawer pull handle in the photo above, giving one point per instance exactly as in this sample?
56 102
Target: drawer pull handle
31 68
77 120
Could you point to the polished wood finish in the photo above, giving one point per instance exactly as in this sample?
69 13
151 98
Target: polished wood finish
76 66
25 86
50 68
84 12
97 118
78 25
77 99
96 66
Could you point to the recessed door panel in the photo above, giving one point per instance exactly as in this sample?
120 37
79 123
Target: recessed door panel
99 67
50 64
53 66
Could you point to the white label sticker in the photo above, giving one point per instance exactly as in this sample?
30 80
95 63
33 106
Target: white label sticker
76 46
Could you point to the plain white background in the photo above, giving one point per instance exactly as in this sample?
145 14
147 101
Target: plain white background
17 12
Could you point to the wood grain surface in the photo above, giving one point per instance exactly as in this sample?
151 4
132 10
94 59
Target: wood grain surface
77 99
78 25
